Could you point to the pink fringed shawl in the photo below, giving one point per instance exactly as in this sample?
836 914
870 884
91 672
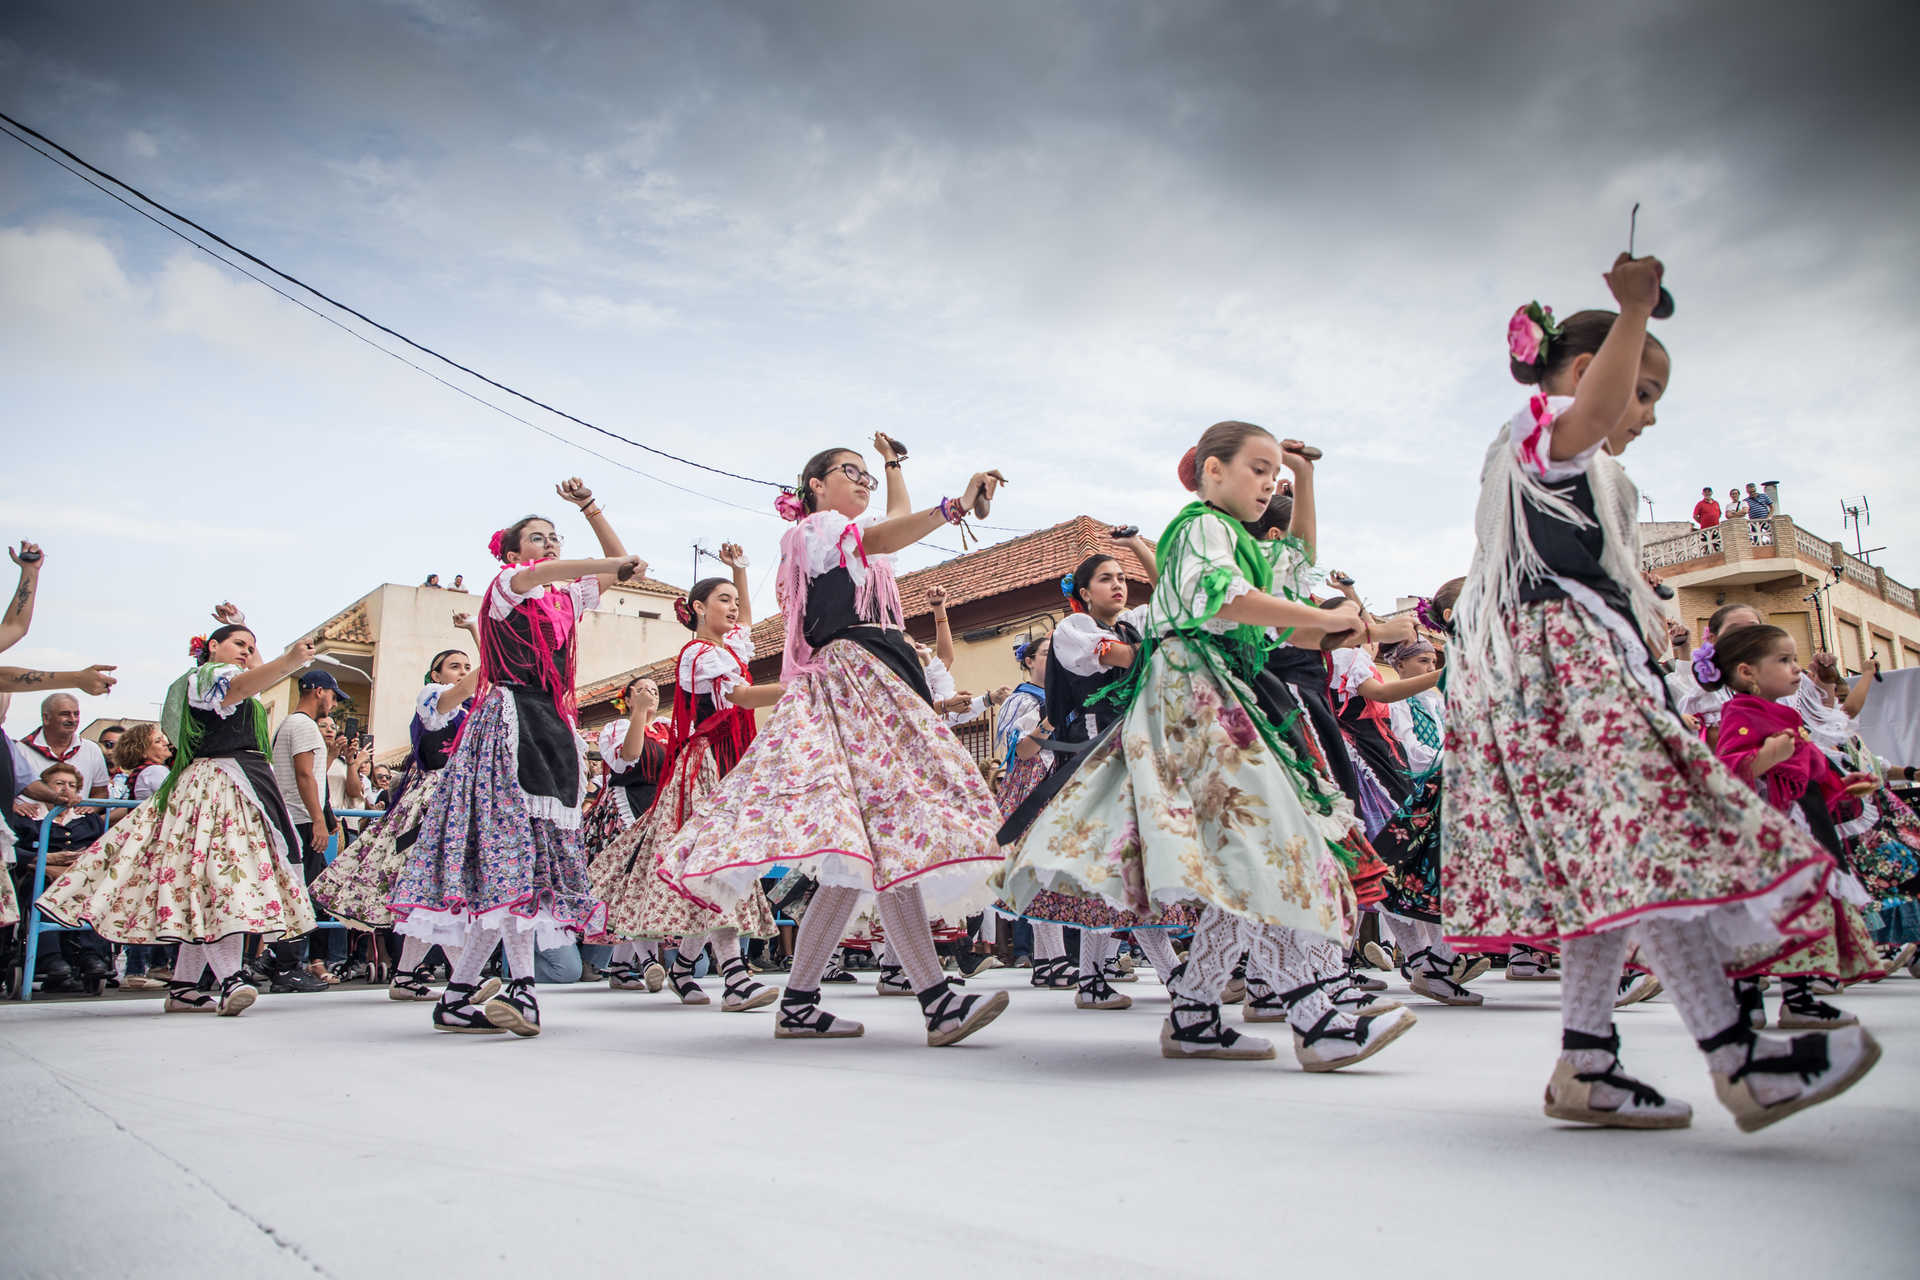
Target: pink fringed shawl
877 599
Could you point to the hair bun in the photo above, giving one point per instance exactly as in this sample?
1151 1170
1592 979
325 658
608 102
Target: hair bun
1189 470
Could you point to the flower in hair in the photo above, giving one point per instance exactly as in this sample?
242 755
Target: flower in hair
683 611
497 545
620 703
787 505
1428 616
1704 667
197 648
1530 333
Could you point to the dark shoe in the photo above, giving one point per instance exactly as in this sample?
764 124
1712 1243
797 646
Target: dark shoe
460 1008
296 979
64 983
515 1009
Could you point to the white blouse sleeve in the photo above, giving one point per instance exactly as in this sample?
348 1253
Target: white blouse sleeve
831 542
1351 669
1532 440
208 688
426 708
940 680
612 738
1076 643
148 780
711 671
501 597
1209 545
585 593
740 641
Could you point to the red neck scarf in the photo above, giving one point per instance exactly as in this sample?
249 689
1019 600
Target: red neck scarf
729 730
59 756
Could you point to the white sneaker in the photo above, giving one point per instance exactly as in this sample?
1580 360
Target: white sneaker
1635 988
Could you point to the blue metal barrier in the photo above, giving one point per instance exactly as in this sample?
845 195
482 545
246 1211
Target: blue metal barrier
35 924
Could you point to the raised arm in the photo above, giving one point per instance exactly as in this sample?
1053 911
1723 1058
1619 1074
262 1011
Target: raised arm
942 631
734 556
469 684
1607 387
574 490
1304 524
19 614
298 655
1144 553
898 503
1857 696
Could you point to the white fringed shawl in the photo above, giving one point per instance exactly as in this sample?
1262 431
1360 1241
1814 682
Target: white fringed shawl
1504 556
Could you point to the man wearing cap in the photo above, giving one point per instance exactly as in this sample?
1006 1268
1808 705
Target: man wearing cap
300 770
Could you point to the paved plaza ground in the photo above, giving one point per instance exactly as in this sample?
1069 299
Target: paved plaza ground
335 1134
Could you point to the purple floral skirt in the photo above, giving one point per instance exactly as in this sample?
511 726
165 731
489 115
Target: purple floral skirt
482 855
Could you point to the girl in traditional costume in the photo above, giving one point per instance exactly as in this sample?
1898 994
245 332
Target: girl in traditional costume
714 699
1765 741
1580 811
212 855
499 858
854 781
1193 795
633 752
359 883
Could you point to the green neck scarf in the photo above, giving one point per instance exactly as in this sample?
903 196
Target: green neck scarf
183 730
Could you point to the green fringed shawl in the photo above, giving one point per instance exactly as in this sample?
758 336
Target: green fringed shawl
1234 659
177 722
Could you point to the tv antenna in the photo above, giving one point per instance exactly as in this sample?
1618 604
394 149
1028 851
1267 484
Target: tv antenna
1858 514
1645 497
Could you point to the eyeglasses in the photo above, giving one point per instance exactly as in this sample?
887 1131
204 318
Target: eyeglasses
859 475
549 539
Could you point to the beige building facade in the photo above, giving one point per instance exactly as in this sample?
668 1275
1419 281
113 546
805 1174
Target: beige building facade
1812 587
379 646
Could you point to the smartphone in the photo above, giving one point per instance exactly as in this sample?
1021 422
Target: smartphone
352 727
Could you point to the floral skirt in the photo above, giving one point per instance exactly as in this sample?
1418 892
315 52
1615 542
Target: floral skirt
1886 856
203 870
1185 803
855 781
642 898
9 901
1410 846
1576 803
481 856
356 887
1844 950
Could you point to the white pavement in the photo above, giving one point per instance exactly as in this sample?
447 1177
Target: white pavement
337 1135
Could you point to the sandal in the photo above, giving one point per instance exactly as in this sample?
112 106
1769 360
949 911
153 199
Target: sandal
1570 1093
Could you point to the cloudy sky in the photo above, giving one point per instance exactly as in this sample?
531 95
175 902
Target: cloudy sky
1058 239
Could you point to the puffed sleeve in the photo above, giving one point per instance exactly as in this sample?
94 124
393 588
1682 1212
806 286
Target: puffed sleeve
705 669
1351 669
1076 644
585 593
207 689
740 641
426 708
1532 440
614 737
1207 576
940 680
501 597
832 542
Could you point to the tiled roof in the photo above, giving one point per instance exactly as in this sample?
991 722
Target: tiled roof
349 626
1044 556
651 587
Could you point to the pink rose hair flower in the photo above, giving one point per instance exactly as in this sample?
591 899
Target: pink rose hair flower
787 506
1530 333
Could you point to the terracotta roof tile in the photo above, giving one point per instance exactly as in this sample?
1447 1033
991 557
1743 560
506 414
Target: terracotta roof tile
349 626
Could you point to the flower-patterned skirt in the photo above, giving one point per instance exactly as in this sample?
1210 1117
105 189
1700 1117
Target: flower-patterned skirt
9 901
1576 803
1185 803
356 887
643 900
203 870
1886 856
855 781
1844 950
481 856
1410 846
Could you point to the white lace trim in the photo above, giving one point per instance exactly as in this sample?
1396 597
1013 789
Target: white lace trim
952 892
449 928
208 689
